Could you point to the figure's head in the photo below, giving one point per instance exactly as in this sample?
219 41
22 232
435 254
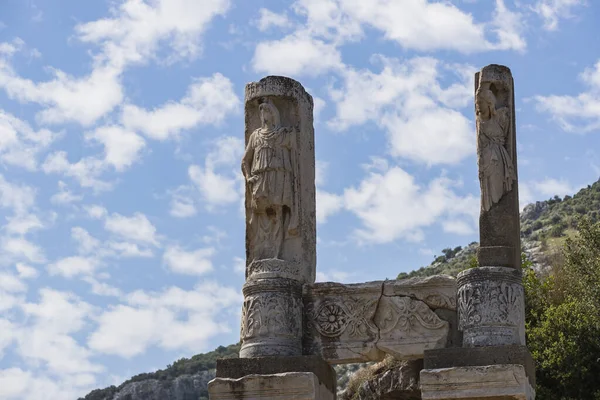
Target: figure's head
485 102
269 115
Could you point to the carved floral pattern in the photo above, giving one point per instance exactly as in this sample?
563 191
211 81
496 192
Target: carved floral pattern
407 315
487 302
332 318
270 314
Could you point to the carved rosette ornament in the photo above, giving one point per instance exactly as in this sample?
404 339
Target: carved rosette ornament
491 307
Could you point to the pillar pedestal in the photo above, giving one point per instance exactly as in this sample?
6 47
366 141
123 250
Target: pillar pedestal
289 378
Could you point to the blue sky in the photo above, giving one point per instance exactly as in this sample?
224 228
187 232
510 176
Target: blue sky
121 133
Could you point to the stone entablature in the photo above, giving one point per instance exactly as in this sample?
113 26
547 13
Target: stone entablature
364 321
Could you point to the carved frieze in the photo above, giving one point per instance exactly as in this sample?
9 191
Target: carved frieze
408 327
491 306
360 322
271 318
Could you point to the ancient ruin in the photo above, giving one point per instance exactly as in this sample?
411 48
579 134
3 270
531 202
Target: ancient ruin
467 333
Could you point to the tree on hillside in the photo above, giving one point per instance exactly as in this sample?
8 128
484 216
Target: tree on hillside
563 319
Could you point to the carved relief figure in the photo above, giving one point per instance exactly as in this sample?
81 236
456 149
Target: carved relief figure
496 166
270 169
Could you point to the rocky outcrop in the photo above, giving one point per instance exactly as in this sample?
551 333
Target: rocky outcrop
184 387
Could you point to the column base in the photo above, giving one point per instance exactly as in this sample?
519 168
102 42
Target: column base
493 373
284 386
491 382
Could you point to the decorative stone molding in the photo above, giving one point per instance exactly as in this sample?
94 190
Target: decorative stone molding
360 322
491 306
271 318
273 268
408 327
338 321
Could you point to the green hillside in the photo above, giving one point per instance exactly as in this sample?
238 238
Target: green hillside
547 227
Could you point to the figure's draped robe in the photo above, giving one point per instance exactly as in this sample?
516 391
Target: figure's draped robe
274 165
495 163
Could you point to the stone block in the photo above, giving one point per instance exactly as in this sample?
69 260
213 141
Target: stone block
363 322
491 382
339 322
481 356
438 291
285 386
408 327
236 368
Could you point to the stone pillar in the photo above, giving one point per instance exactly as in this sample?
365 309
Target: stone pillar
494 361
490 298
279 170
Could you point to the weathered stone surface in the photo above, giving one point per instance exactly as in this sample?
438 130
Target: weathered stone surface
285 386
497 382
362 322
491 307
271 318
339 322
397 383
239 367
497 159
279 168
438 291
481 356
408 327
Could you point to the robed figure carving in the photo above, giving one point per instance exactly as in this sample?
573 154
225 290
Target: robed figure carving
496 165
270 169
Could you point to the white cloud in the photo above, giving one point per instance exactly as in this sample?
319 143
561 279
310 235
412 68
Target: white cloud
11 283
334 276
48 337
580 113
64 195
73 266
17 197
407 100
95 211
458 226
18 248
20 144
392 205
550 187
508 26
327 205
296 54
67 98
86 171
136 228
172 319
196 262
26 271
121 146
268 19
182 206
136 29
551 11
21 224
239 265
216 183
208 101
